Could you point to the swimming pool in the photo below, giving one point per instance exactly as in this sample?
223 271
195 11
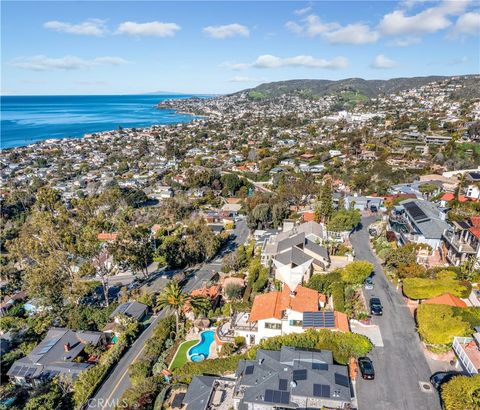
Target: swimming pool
201 350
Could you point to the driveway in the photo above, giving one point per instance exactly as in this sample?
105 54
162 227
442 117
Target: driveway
400 366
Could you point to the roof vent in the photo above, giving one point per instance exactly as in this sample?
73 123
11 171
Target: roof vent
285 369
260 361
293 384
66 347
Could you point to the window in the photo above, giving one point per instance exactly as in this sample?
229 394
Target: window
276 326
297 323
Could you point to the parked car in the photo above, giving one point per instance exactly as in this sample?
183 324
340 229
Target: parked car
376 307
438 378
368 283
366 368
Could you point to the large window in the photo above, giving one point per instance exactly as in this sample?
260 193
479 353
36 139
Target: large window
275 326
297 323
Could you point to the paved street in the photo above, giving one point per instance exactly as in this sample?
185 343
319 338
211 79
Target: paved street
108 396
400 365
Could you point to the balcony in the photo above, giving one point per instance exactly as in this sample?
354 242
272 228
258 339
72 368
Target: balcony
460 245
467 353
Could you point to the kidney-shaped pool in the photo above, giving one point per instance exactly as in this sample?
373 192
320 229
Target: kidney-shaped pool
201 350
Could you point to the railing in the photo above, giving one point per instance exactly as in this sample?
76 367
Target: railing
460 245
462 355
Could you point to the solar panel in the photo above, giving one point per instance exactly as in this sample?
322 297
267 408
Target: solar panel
269 395
48 345
282 384
319 319
415 212
277 396
249 370
321 390
15 370
285 399
320 366
341 380
300 374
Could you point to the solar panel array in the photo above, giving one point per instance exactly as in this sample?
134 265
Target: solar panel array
282 384
341 380
277 396
48 345
23 371
319 319
249 370
415 212
300 374
321 390
320 366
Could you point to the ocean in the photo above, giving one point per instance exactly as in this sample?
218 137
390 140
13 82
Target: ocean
29 119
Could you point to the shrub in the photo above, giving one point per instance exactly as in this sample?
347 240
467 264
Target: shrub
227 349
422 288
234 291
356 272
342 345
462 393
139 370
142 395
323 282
338 296
437 324
261 281
214 367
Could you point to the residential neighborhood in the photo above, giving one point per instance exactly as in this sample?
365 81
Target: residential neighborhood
283 252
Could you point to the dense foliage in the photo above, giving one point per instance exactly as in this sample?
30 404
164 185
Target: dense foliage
462 393
445 282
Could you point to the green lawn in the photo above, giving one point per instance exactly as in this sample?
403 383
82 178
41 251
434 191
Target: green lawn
181 356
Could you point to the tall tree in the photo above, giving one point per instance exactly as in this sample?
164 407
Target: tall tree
173 299
325 206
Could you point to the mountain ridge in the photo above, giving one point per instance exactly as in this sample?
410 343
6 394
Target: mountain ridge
367 88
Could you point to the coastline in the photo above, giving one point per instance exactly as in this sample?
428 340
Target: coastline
70 118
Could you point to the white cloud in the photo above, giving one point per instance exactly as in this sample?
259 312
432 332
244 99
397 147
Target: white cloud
382 62
305 61
301 12
227 30
427 21
152 28
44 63
352 34
312 26
468 23
240 79
90 27
404 41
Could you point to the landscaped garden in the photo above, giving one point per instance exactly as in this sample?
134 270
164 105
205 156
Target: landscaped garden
181 356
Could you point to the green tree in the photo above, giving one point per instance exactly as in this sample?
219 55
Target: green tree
356 272
173 298
462 393
324 209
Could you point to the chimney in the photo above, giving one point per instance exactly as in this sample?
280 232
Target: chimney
66 347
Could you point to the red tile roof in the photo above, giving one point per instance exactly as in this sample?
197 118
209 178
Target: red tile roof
105 236
475 220
446 299
448 196
272 304
210 292
476 231
309 216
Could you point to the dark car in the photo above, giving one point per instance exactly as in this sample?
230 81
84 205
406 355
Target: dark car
366 368
437 379
376 307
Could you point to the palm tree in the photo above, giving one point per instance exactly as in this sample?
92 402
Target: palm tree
173 299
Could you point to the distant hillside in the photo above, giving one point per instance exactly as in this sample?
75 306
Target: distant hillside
356 87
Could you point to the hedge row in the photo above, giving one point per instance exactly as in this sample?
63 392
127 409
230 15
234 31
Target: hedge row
210 366
462 393
342 345
146 386
438 324
338 296
89 380
422 288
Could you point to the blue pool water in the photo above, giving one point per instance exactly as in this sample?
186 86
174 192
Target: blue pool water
201 350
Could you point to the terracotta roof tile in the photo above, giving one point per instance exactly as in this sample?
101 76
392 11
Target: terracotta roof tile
105 236
446 299
476 231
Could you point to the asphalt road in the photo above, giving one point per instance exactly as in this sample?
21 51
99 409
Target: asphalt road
109 394
400 366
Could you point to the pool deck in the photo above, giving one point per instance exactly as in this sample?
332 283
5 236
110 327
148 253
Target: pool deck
192 334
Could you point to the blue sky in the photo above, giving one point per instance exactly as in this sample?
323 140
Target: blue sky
115 47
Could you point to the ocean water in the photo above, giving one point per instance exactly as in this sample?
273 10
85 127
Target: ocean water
29 119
